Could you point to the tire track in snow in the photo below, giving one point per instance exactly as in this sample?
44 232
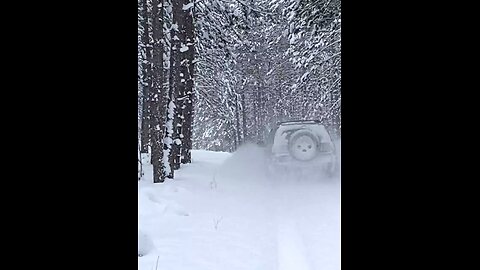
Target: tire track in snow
292 252
292 200
291 249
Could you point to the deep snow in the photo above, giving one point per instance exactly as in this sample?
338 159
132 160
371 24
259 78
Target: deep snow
223 211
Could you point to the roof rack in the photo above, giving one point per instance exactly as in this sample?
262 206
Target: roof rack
293 122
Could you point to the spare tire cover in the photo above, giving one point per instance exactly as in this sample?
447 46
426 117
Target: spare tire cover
303 145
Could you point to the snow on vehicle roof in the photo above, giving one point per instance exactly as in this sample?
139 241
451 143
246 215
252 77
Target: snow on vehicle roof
293 122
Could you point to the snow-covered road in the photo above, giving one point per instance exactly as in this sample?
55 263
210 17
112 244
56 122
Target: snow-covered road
224 212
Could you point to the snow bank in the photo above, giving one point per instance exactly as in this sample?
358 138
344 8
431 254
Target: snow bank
145 244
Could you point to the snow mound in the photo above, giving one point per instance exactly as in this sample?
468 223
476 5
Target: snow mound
145 244
157 202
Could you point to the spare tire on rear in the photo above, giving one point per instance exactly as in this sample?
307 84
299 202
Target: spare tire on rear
303 145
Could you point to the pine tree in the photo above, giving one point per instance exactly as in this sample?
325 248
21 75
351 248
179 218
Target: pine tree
189 58
176 87
146 74
157 103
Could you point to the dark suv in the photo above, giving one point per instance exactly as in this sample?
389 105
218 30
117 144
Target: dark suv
301 144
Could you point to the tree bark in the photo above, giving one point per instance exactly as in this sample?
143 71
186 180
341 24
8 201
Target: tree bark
158 103
237 122
177 86
179 18
189 91
244 119
146 80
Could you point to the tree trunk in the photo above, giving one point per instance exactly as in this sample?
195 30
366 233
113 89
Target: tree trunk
244 119
177 87
179 18
237 121
255 114
188 110
146 80
158 104
170 125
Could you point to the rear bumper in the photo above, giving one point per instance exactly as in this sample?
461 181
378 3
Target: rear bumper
322 160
